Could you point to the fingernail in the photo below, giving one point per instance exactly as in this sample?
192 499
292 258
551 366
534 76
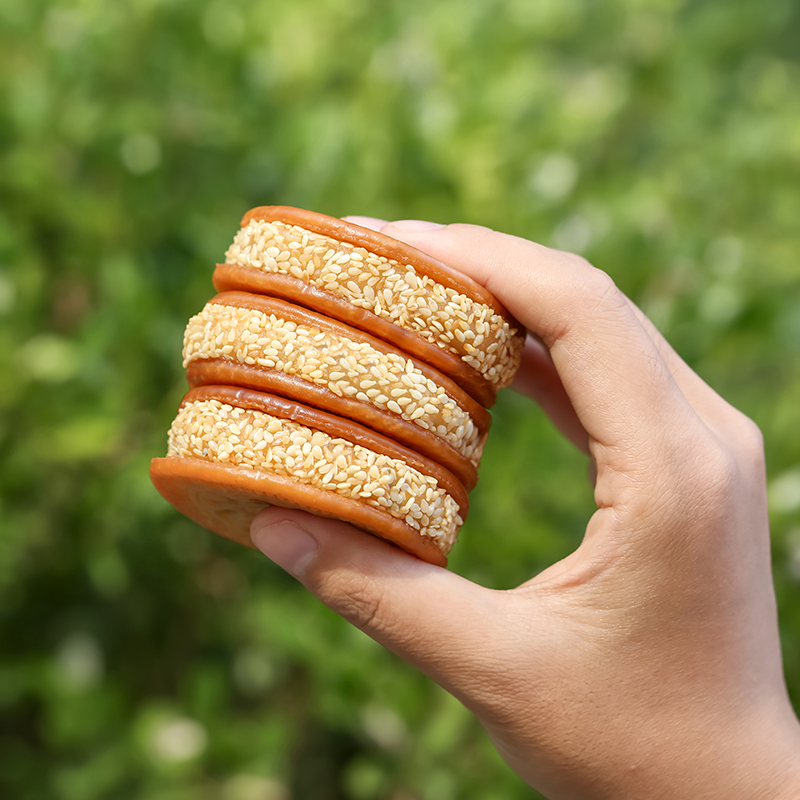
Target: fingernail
417 225
373 223
291 547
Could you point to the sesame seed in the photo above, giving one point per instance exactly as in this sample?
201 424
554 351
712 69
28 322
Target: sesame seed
442 316
334 362
206 422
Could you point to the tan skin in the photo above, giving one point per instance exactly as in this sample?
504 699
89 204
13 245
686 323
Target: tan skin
647 663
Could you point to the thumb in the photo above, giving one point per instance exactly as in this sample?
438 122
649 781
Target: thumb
441 623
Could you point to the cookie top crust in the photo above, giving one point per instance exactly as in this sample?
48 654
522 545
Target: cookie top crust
334 426
380 245
267 335
386 279
221 433
234 451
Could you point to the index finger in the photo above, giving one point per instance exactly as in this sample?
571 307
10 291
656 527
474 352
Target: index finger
613 372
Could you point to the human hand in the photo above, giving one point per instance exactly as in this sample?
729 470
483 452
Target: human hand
647 663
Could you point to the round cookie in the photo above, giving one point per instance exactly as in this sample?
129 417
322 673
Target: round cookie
380 285
341 372
234 451
271 345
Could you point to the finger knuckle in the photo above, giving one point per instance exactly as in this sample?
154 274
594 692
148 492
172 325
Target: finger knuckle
586 293
599 289
728 464
749 439
359 599
690 478
723 473
717 474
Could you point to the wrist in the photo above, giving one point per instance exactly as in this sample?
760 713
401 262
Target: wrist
751 756
754 758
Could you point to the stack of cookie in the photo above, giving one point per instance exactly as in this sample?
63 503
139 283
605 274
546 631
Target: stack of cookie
342 372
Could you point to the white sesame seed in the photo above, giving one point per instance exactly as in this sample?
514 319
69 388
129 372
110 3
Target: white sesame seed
205 422
443 316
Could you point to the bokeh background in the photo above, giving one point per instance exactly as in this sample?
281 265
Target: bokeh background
142 657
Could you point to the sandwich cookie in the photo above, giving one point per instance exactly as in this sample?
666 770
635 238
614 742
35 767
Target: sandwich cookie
234 451
382 286
268 344
341 372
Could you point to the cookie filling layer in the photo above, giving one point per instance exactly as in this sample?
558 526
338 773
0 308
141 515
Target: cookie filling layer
456 323
225 434
347 368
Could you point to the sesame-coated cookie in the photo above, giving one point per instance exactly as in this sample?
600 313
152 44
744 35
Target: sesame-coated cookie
341 372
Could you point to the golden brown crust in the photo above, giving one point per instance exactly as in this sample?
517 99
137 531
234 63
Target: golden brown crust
309 318
230 370
232 277
216 372
225 500
334 426
381 245
455 333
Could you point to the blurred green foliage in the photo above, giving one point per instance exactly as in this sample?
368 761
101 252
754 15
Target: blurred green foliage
145 658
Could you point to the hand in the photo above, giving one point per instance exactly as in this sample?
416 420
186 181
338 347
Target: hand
647 663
